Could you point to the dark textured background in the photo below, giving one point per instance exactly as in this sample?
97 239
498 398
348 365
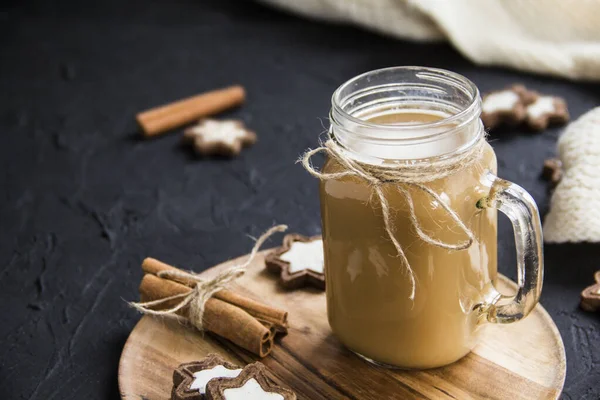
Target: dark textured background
84 200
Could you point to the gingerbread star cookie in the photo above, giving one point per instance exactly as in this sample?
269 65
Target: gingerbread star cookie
252 383
506 107
190 379
224 138
590 297
299 262
546 110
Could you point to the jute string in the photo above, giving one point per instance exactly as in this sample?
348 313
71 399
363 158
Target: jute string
400 177
204 289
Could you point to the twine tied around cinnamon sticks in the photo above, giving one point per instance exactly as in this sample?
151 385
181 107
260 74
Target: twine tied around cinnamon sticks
203 289
401 177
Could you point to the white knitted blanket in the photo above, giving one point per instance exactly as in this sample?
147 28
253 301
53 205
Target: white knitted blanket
575 206
556 37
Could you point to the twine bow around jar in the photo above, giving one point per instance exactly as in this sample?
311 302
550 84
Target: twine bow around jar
401 177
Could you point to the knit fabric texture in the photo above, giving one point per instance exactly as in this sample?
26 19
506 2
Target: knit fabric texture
554 37
575 205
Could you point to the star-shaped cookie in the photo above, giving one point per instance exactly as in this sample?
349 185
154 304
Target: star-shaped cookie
252 383
190 379
546 110
590 297
506 106
299 262
224 138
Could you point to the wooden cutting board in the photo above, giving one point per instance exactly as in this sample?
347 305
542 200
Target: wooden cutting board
525 360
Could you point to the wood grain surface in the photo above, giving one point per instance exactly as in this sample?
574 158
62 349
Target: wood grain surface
525 360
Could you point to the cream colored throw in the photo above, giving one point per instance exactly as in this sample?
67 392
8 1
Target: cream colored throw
556 37
575 206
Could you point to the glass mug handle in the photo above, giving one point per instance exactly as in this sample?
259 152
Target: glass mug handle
520 208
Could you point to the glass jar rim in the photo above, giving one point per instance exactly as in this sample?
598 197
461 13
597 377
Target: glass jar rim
407 89
473 108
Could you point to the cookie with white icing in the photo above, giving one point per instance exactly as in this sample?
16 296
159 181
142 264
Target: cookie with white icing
299 262
506 107
190 379
224 138
546 110
253 383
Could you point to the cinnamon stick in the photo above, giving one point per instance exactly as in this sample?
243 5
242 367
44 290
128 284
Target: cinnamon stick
270 316
153 266
220 318
161 119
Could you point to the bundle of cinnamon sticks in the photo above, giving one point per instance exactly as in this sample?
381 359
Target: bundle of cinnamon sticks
247 323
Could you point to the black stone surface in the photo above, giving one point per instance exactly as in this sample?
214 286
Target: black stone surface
84 200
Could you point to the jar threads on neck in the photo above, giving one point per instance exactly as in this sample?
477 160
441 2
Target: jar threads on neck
406 113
